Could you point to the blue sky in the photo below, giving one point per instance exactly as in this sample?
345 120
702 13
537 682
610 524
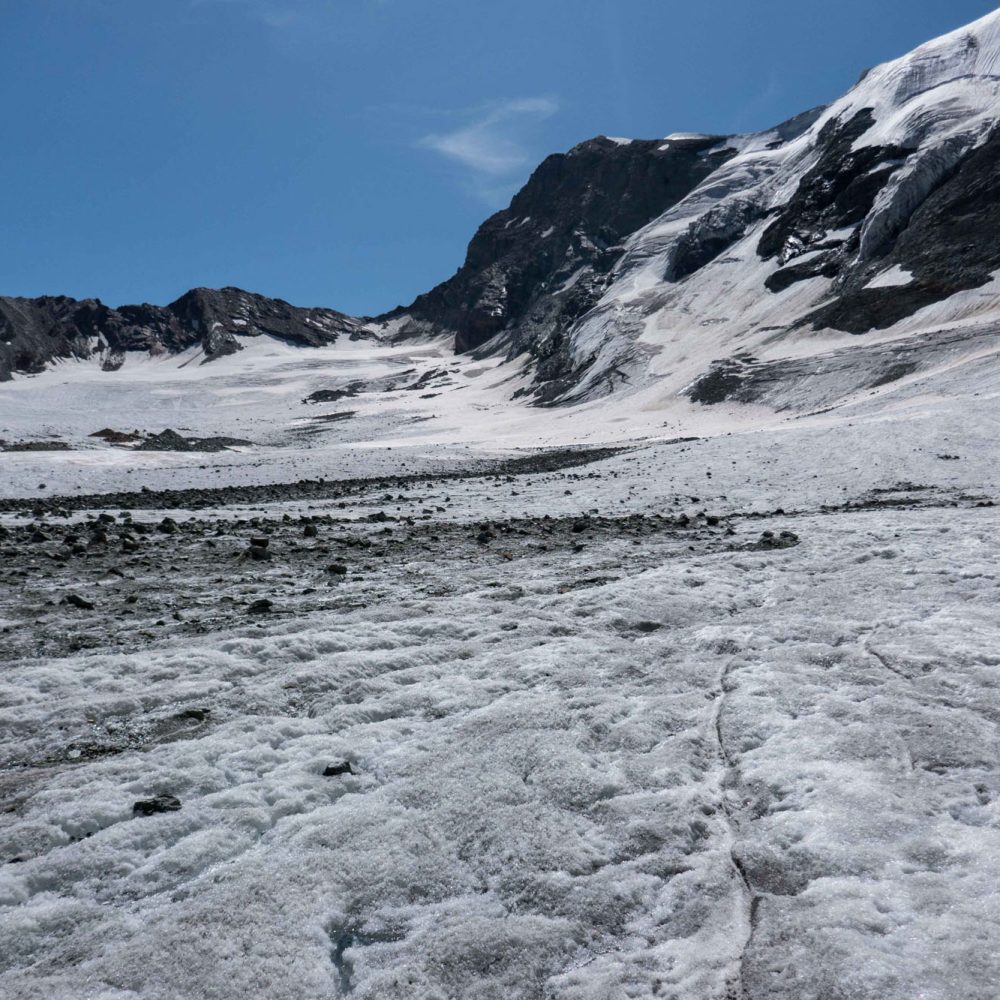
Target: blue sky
342 152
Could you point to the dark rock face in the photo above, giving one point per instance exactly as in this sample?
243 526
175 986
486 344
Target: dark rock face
34 332
709 237
950 243
534 268
837 192
946 238
170 440
835 195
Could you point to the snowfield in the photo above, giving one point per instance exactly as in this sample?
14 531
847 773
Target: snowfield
613 750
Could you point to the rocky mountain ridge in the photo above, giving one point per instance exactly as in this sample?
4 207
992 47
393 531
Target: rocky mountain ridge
36 332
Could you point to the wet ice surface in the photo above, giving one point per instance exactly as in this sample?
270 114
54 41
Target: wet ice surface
665 764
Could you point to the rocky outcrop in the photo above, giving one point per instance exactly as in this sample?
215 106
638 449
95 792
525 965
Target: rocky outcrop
35 332
837 193
950 244
709 236
938 225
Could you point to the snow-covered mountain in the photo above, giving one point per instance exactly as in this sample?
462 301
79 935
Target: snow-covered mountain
881 216
852 247
877 213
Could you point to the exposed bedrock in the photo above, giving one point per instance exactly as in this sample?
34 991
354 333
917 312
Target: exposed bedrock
950 244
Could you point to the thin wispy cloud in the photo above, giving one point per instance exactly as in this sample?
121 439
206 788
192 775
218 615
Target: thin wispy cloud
288 13
274 13
493 147
494 144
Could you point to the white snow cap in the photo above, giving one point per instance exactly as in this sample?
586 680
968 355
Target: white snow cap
966 61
